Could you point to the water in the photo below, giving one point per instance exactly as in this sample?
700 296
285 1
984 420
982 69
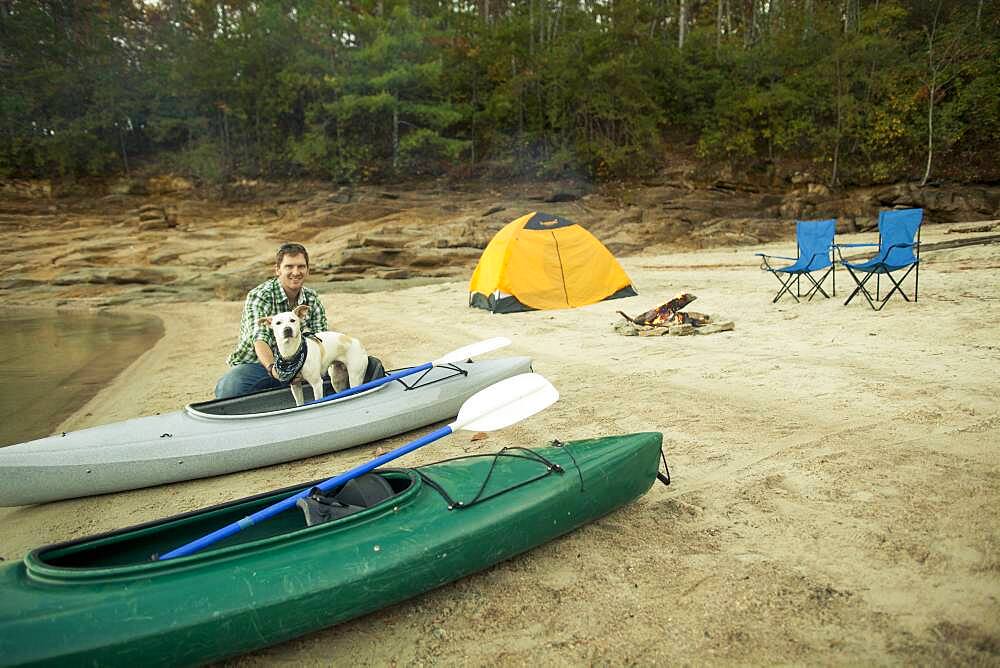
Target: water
51 363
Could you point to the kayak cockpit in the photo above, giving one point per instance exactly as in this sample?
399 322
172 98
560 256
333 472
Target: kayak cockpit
133 550
280 400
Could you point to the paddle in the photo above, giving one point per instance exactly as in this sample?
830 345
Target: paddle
499 405
464 353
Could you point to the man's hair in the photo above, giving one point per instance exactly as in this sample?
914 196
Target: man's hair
291 249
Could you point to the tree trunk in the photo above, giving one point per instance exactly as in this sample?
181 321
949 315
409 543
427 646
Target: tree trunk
256 139
520 98
840 124
545 26
227 158
682 20
930 134
749 24
121 137
531 27
773 17
932 84
395 138
475 105
718 26
554 23
852 16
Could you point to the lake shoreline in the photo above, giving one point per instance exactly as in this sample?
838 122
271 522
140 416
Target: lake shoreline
59 359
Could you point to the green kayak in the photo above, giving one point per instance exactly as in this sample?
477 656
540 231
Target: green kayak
106 600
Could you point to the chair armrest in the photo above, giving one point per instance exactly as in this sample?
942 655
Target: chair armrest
815 255
839 248
777 257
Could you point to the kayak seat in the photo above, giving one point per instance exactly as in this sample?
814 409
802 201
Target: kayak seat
358 494
375 369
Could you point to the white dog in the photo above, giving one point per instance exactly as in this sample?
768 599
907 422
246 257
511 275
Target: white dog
342 356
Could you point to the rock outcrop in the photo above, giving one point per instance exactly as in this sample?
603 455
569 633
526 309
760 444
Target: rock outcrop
165 240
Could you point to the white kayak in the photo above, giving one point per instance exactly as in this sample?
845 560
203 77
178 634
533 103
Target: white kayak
227 435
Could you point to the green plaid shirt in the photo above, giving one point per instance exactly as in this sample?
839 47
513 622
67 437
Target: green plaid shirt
269 299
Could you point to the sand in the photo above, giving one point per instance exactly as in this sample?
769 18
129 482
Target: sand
836 473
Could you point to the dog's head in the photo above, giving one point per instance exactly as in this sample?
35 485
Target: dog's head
287 325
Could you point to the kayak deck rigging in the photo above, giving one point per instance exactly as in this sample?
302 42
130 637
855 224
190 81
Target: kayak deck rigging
481 496
419 382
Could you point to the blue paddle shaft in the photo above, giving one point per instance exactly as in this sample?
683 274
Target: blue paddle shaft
373 383
326 485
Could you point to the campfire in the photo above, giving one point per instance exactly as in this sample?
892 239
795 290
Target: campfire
668 318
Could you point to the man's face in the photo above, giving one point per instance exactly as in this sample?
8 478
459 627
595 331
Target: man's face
292 272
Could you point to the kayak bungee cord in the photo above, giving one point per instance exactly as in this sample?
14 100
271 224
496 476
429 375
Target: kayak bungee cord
556 443
550 468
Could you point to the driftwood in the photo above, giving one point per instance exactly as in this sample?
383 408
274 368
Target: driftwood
972 229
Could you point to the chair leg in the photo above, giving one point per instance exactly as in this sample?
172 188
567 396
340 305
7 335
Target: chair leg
817 285
897 287
786 286
861 288
856 289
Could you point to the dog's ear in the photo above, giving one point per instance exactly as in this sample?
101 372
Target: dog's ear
301 310
265 321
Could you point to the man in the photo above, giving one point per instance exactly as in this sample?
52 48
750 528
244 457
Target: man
252 361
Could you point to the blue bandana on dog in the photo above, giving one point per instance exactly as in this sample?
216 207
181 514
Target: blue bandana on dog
287 369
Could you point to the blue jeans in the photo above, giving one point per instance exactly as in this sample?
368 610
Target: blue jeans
244 379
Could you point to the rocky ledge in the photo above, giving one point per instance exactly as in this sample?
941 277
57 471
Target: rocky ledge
164 240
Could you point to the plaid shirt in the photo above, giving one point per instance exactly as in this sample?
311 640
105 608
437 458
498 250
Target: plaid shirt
269 299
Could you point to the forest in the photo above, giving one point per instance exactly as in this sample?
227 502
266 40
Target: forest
854 91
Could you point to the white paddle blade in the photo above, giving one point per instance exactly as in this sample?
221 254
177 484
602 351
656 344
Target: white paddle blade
474 350
502 404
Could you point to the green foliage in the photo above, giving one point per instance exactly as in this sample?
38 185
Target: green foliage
202 159
421 149
370 90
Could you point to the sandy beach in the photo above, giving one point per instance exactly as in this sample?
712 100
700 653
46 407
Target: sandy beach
836 472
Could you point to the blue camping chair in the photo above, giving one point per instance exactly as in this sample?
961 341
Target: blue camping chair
814 240
898 249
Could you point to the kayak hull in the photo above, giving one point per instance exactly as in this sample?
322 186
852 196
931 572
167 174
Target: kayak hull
101 601
185 445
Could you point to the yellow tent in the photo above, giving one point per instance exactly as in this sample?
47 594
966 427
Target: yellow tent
541 261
